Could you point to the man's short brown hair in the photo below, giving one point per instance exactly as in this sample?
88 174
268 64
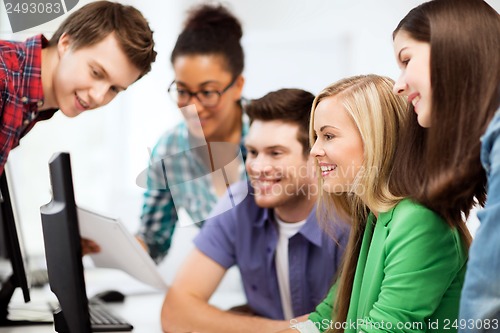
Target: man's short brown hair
95 21
288 105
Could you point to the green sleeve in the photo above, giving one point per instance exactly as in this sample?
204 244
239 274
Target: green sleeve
322 316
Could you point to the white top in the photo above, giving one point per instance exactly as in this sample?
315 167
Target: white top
285 231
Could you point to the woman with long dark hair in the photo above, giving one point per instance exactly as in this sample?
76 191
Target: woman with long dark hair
449 55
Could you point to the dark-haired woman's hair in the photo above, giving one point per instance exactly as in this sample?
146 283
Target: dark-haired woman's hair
464 38
288 105
212 30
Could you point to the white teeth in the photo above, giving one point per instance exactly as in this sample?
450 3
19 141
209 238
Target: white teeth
415 100
327 168
85 105
267 182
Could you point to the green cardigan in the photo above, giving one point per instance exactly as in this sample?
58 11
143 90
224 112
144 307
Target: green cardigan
408 277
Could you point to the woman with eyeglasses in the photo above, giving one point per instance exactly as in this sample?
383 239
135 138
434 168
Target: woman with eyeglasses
185 170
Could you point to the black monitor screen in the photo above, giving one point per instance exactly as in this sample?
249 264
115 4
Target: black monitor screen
11 242
63 251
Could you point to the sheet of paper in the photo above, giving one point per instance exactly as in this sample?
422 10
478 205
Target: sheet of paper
119 249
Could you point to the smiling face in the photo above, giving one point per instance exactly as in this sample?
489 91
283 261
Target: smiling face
90 77
413 59
195 73
338 147
279 172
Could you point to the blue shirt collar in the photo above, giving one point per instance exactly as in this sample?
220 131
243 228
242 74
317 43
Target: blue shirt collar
310 230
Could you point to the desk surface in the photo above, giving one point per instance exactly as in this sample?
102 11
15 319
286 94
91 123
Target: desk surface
141 308
142 311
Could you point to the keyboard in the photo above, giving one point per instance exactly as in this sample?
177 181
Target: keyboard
103 320
101 317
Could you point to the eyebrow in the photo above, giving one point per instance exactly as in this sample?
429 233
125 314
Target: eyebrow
276 147
399 53
326 126
107 75
248 146
201 84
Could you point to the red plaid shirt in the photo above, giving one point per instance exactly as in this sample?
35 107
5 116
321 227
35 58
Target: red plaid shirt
21 91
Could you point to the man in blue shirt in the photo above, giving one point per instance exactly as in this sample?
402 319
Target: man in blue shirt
286 262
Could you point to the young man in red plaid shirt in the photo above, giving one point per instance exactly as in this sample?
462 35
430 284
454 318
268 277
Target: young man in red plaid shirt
96 53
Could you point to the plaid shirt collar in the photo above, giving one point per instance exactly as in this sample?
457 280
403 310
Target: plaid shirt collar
32 87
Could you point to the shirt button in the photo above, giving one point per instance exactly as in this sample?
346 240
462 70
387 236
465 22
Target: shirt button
24 99
39 103
26 122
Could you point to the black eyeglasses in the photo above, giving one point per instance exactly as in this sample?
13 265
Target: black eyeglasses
208 98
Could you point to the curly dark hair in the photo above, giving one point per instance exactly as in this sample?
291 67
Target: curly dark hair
212 30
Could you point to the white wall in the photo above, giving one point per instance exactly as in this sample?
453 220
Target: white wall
288 43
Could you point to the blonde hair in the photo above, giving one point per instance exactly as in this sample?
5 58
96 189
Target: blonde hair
379 116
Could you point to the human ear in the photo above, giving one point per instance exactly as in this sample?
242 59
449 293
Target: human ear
63 44
238 85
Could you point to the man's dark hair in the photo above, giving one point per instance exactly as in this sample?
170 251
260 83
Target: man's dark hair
288 105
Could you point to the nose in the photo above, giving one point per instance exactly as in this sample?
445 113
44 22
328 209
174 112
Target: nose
316 150
193 100
258 166
98 94
399 86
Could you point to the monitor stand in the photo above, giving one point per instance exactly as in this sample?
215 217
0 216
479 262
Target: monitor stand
8 288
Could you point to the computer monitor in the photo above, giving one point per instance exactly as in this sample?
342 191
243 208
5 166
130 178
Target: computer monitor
63 251
3 246
13 251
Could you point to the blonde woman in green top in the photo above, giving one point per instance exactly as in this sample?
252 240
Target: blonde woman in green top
404 265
